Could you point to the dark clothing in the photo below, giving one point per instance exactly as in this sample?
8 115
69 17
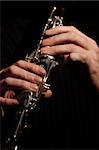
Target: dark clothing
69 119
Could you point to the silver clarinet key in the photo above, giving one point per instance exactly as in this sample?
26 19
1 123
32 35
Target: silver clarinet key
30 98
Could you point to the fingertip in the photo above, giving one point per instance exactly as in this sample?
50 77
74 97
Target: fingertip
11 102
15 102
47 94
41 70
8 101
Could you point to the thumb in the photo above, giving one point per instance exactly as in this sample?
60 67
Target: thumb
8 101
78 57
47 93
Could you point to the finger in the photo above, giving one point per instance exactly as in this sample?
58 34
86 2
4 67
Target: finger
79 57
9 94
20 84
57 30
17 72
69 37
47 94
62 49
65 29
67 57
62 29
2 73
31 67
8 101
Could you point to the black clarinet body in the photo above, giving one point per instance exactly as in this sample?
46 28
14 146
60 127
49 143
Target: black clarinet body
31 98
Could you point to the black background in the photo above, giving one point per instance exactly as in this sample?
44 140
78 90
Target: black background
73 115
84 15
76 12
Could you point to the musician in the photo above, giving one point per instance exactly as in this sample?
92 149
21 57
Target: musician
80 68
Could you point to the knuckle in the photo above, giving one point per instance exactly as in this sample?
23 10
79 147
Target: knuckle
73 36
31 86
26 76
71 46
12 69
37 69
31 66
31 77
6 81
93 41
25 84
28 85
58 27
34 77
72 28
28 66
19 62
34 68
37 79
54 39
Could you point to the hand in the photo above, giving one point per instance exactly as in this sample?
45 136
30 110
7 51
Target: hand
69 41
21 75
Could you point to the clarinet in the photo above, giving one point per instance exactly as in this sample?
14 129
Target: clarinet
29 97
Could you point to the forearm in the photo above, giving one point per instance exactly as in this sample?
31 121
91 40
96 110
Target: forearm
94 72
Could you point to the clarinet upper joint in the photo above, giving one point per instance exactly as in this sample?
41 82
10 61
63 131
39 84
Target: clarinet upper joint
30 98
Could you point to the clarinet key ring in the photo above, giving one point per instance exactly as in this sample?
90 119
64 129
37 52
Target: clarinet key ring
29 97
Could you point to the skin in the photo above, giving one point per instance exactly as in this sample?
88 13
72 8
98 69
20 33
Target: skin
70 42
65 40
21 75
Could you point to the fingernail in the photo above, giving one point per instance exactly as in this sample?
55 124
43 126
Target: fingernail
43 42
43 71
39 80
36 87
16 102
42 50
